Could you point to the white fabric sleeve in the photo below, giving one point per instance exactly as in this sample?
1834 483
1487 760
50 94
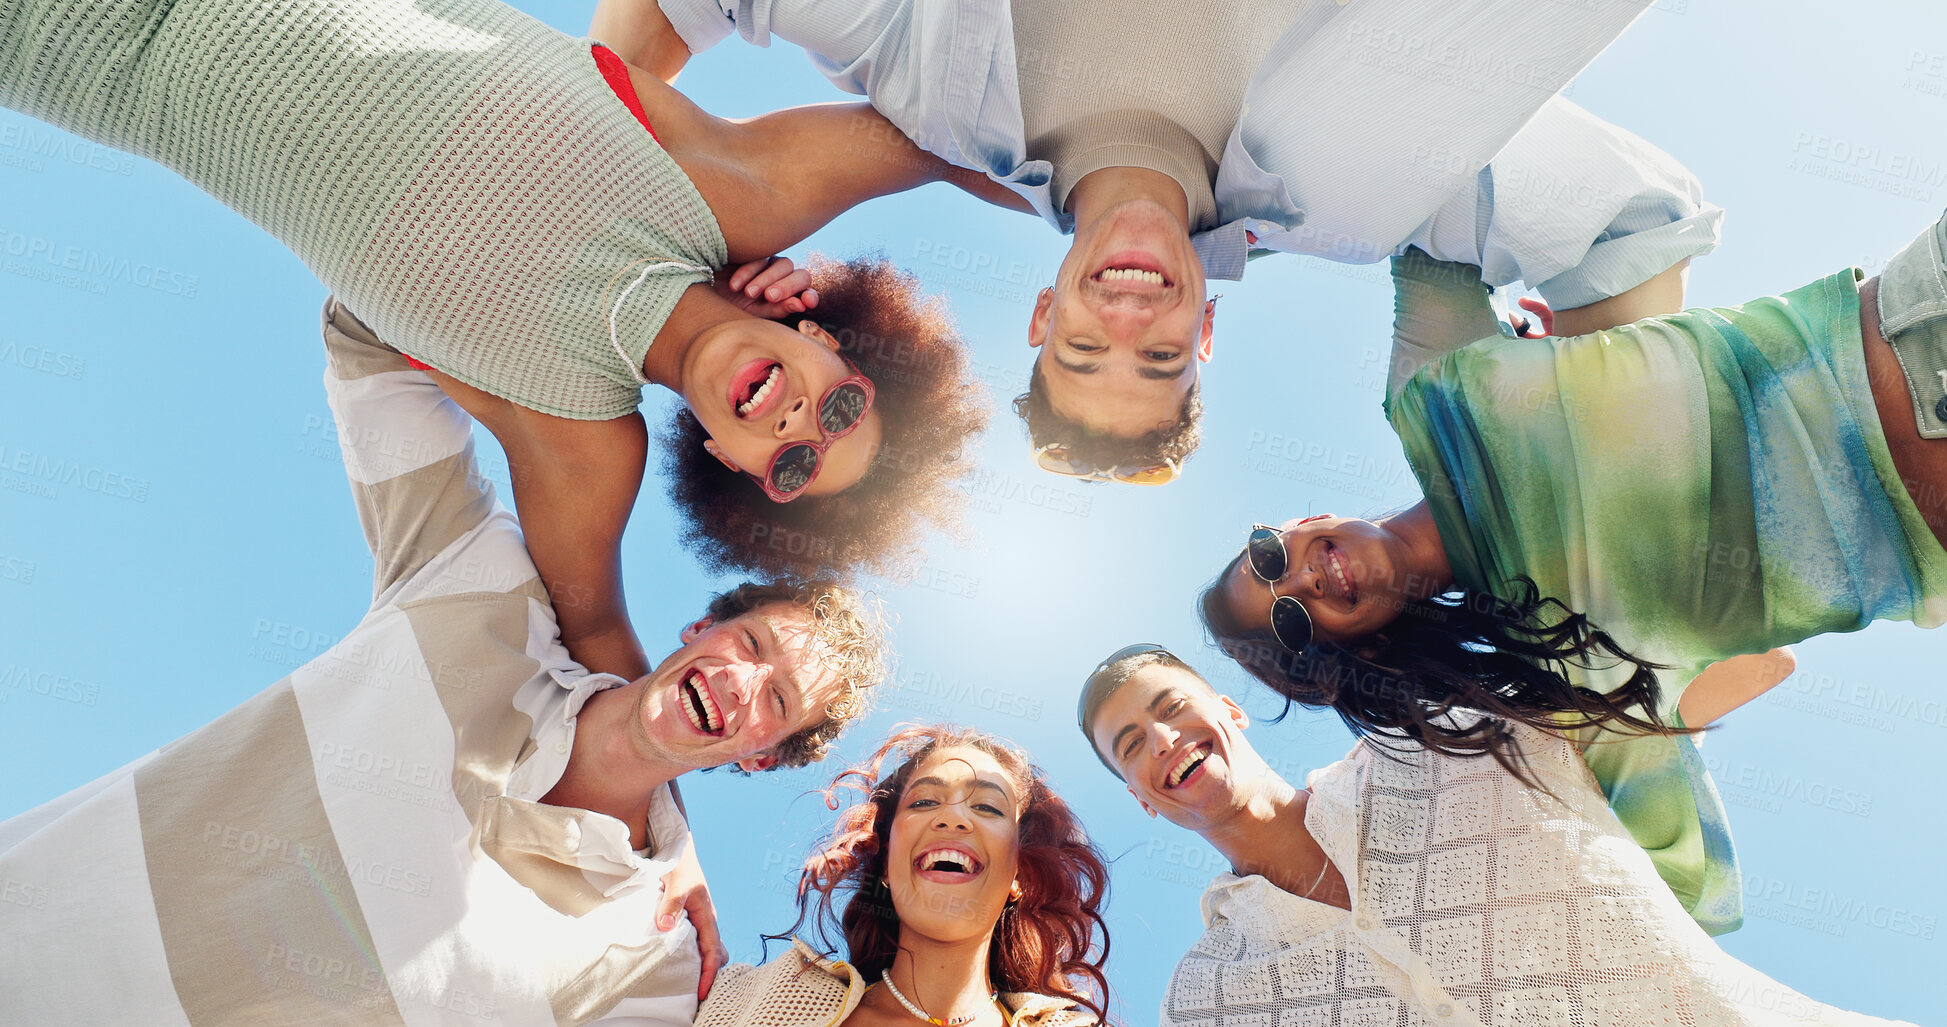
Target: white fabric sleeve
702 23
1578 209
408 450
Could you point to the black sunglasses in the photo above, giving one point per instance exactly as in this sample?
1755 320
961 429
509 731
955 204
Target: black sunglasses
1291 623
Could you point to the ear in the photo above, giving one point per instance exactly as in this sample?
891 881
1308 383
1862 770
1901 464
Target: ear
816 333
1235 712
1140 802
1209 338
754 764
1044 310
710 446
695 628
1014 891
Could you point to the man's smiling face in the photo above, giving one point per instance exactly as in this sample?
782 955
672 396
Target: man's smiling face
1177 744
736 689
1123 330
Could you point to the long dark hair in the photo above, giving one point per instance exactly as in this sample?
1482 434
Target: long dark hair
1505 656
1045 943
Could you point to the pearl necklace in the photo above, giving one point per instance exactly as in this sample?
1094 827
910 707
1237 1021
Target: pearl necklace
885 976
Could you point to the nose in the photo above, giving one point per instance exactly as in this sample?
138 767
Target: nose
1127 320
743 681
794 421
952 816
1162 738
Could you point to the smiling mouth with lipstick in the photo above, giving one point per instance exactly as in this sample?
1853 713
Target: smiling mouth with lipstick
756 387
699 705
948 864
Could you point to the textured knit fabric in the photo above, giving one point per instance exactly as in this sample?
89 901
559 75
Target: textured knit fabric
803 989
1476 901
363 843
1368 126
1701 485
457 172
1092 99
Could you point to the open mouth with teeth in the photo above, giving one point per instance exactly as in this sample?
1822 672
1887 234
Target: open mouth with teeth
1186 766
700 706
752 389
1341 575
948 864
1131 275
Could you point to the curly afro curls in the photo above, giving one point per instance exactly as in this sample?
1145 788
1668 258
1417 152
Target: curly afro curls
931 406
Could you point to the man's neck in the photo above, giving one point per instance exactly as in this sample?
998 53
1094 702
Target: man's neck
947 979
1267 837
606 772
1101 191
699 310
1426 568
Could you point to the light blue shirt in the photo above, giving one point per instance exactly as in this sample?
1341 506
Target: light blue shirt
1371 126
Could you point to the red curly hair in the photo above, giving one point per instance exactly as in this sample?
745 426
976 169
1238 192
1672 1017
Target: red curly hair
1046 943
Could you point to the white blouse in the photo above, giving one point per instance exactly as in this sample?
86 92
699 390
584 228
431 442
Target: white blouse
1476 900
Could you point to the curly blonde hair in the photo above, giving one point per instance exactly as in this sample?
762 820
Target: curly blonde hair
853 632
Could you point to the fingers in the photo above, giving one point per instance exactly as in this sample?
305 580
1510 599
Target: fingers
703 916
1544 314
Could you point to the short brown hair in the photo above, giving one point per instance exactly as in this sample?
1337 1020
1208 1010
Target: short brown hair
932 407
1046 427
851 627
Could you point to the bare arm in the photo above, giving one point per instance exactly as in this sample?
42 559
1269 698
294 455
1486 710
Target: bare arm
1662 294
640 33
1728 684
574 485
804 166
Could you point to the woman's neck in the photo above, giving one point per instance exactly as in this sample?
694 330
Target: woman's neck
699 310
1426 570
946 979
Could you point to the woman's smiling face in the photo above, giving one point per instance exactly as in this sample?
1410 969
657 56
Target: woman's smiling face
755 385
954 845
1343 569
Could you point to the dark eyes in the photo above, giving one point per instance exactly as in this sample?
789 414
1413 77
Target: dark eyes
930 803
1085 347
779 696
1160 357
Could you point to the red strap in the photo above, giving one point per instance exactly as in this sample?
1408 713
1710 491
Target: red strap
616 74
417 365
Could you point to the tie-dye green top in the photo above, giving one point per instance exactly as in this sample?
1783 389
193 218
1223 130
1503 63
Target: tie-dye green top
1701 485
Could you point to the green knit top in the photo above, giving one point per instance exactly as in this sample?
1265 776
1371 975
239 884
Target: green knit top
460 174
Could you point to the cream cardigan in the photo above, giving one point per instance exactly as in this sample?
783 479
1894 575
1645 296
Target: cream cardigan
803 989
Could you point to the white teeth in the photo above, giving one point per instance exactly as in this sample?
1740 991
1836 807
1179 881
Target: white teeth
1338 573
1130 274
931 858
1186 764
757 398
701 707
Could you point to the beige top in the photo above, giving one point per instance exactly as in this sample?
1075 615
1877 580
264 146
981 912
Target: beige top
1158 86
803 989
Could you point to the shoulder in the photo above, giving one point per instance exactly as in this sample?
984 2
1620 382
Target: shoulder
1032 1010
800 988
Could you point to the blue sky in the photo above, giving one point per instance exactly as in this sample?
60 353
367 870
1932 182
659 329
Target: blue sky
210 545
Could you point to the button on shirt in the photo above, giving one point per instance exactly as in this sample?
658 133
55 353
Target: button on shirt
1368 127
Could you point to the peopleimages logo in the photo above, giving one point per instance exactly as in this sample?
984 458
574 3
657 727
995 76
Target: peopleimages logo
37 250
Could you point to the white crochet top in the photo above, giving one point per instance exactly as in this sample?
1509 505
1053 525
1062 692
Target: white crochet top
460 174
1477 900
803 989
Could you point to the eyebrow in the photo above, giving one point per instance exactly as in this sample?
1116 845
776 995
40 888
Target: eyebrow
768 639
979 783
1115 746
1148 371
1078 368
